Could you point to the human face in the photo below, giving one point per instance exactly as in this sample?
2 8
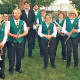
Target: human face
26 6
36 7
16 15
48 19
5 17
43 13
72 15
61 16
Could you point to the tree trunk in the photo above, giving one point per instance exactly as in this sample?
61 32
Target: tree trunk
21 4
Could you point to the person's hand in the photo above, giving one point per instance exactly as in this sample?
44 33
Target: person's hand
13 36
59 32
46 36
19 36
1 45
28 28
74 31
69 34
49 36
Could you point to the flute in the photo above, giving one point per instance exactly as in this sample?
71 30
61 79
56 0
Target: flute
69 36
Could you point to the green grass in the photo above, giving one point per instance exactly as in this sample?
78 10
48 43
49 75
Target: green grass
33 68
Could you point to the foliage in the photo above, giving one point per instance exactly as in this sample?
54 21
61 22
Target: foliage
77 4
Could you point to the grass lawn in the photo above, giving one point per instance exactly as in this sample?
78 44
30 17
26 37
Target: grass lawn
33 68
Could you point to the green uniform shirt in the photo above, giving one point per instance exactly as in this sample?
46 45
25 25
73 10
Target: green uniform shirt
14 30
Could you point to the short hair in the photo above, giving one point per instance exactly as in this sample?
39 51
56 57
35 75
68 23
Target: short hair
27 2
43 10
17 9
61 12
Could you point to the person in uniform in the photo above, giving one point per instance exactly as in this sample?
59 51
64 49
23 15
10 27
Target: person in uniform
3 39
38 21
28 17
71 28
18 30
47 31
61 37
7 23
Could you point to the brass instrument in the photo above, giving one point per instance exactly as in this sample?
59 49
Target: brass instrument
36 25
59 27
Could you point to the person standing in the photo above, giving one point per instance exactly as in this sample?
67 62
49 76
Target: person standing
7 23
28 17
38 21
18 30
61 37
47 31
71 29
3 39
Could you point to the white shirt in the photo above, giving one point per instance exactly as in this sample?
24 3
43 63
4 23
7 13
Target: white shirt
7 23
41 34
64 26
27 11
5 35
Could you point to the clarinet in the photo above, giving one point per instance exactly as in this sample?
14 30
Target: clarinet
19 32
49 34
69 36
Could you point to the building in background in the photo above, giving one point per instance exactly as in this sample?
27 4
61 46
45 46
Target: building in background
59 5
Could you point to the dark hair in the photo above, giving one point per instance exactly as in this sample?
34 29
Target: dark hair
61 12
27 2
43 10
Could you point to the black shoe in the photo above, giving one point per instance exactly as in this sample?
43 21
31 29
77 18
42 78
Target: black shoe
54 67
76 67
30 56
45 67
67 66
3 76
19 71
11 72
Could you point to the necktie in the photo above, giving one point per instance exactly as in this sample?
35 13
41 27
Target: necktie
17 24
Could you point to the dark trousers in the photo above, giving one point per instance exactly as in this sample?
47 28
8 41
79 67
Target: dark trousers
31 42
48 51
40 46
15 50
2 65
72 44
39 42
62 39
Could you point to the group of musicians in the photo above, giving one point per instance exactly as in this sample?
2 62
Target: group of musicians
28 24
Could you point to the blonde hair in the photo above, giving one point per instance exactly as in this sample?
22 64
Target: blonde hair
16 9
73 11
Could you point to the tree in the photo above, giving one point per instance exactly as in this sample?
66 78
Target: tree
77 4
